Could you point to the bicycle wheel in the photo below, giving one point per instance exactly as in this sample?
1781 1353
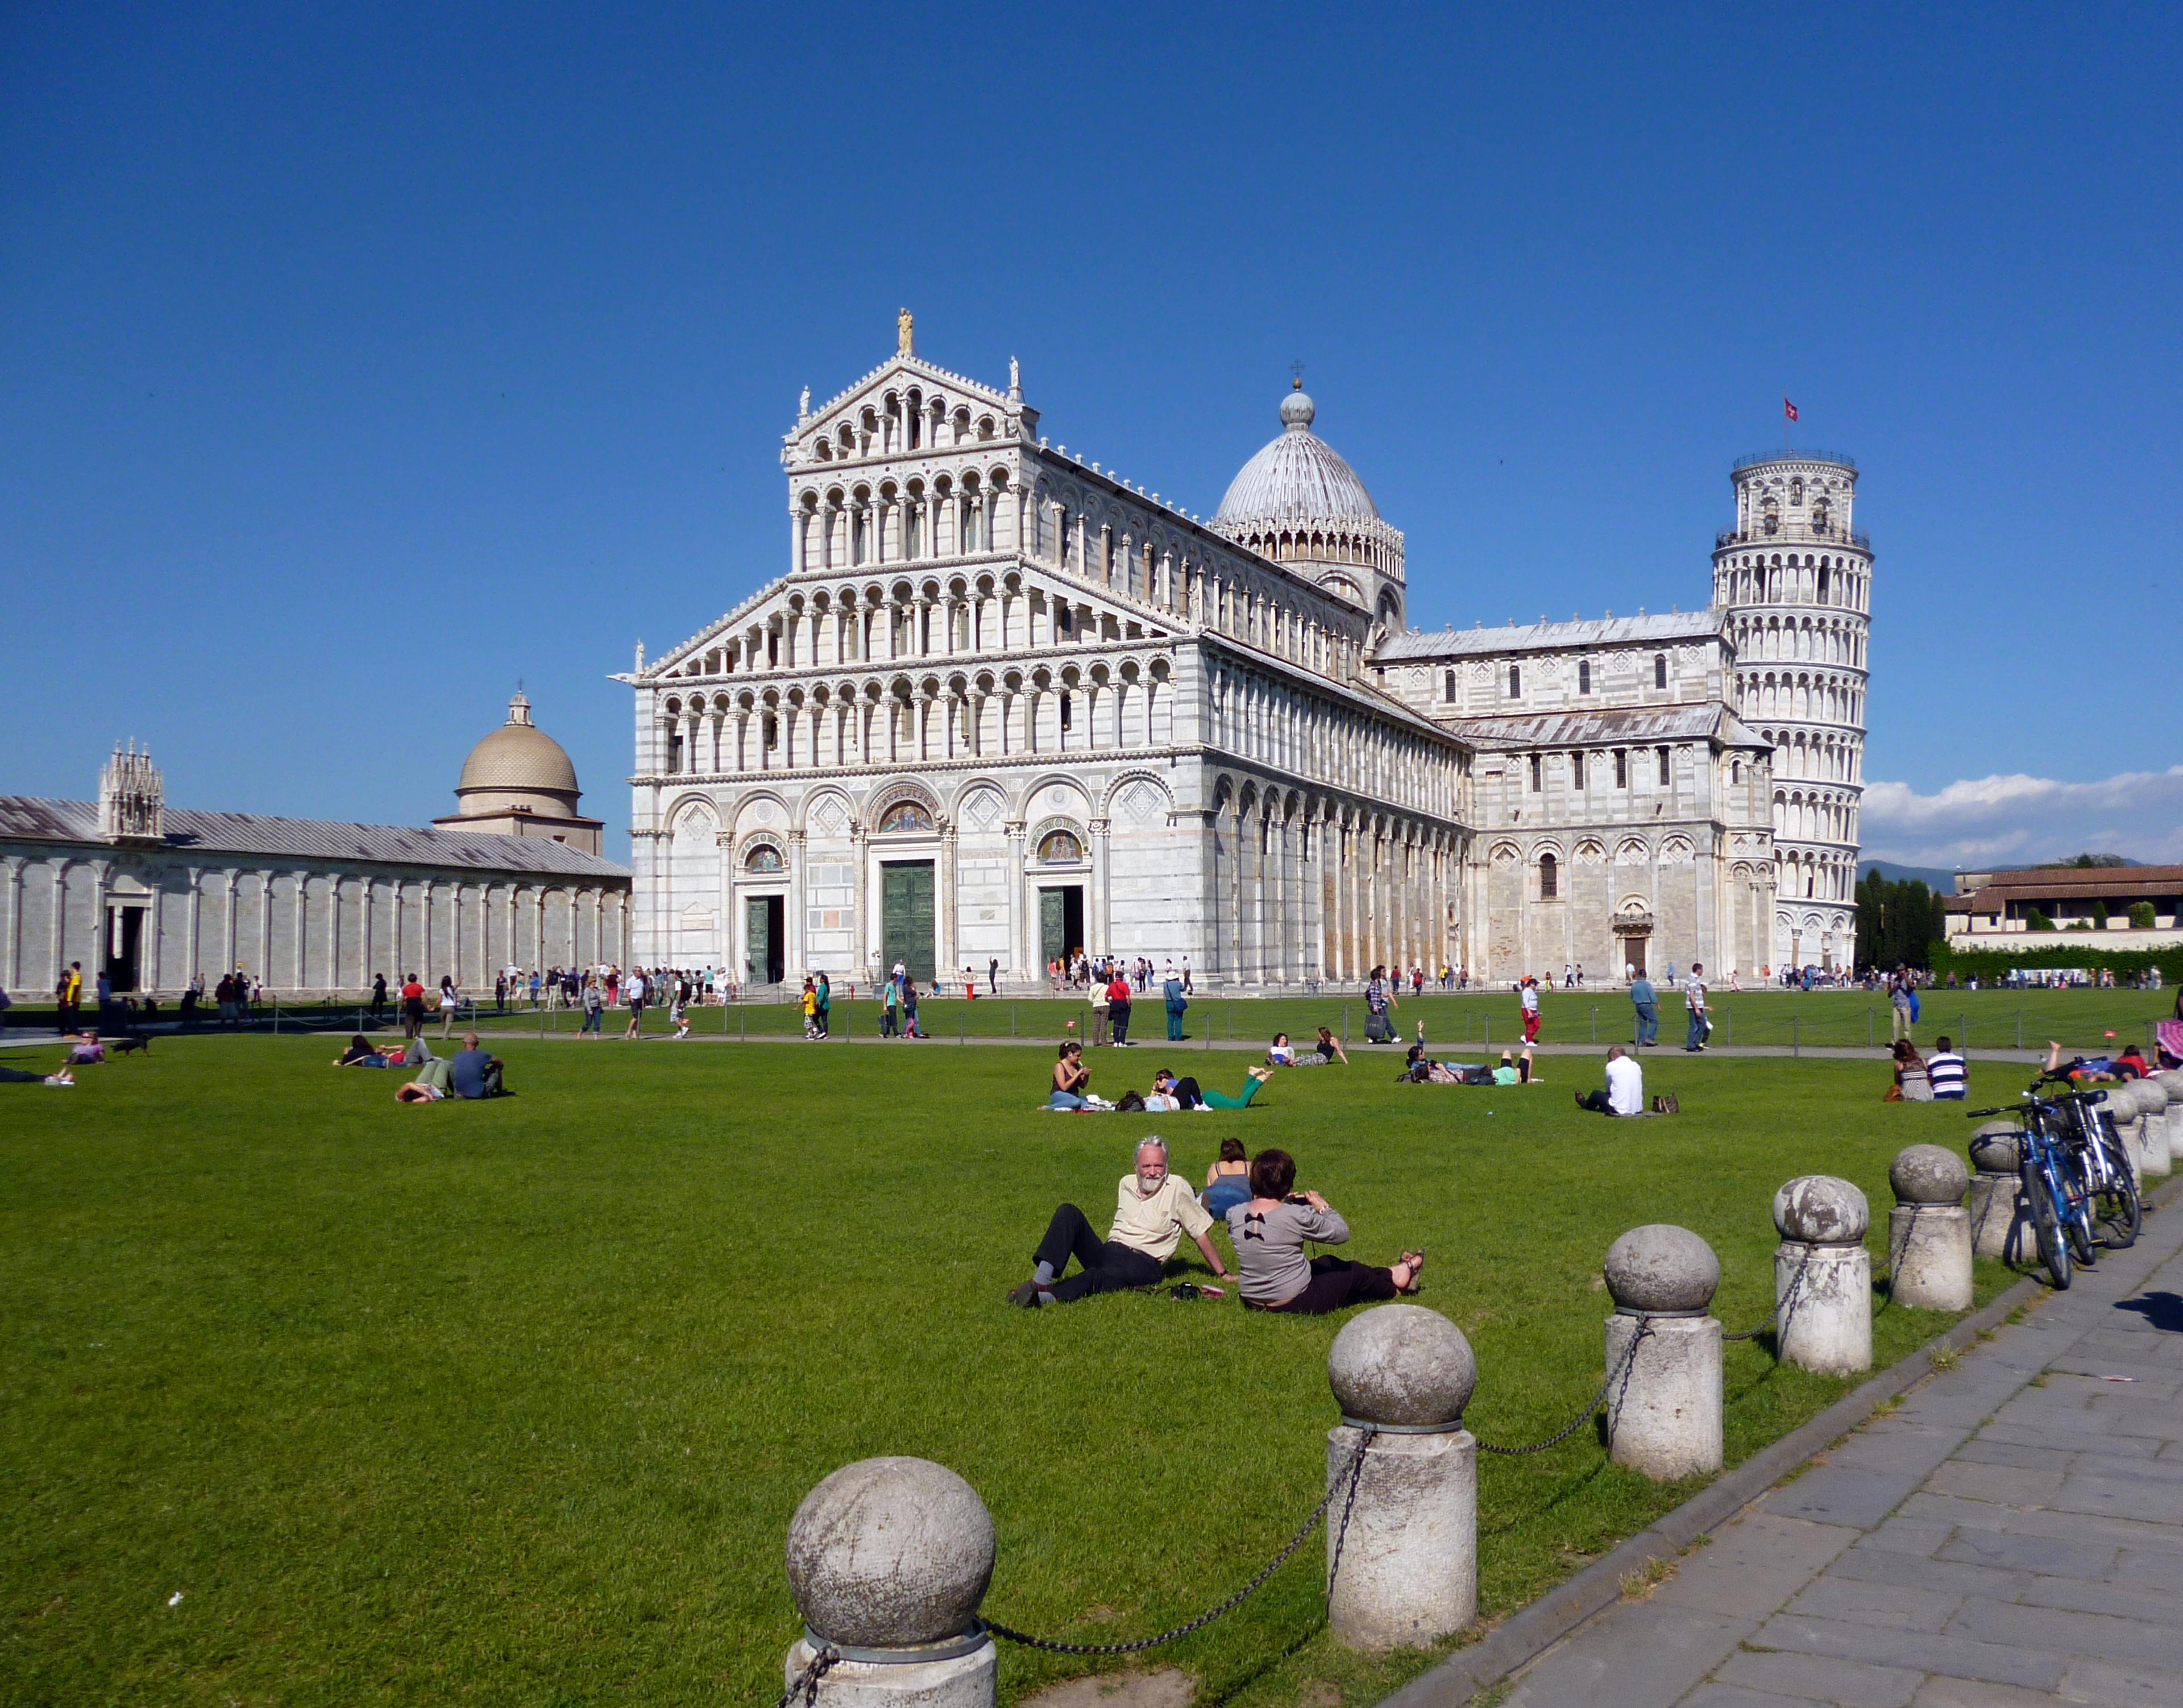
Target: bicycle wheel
2120 1213
2047 1228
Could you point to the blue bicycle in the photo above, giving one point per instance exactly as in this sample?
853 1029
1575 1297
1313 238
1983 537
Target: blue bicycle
2060 1214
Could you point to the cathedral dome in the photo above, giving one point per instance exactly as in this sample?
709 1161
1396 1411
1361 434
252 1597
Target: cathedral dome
1299 476
519 756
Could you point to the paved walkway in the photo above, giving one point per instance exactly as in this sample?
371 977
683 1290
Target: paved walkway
2012 1534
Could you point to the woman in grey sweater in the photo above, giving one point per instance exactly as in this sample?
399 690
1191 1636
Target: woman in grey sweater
1268 1232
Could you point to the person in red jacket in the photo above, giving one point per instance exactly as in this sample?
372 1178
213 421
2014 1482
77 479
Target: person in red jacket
1117 1007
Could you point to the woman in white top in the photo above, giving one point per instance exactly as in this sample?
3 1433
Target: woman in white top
449 1002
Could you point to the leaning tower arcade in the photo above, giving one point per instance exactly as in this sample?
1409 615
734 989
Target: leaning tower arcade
1795 580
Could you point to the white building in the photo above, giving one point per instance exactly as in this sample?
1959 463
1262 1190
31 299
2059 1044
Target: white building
1796 580
152 895
1005 704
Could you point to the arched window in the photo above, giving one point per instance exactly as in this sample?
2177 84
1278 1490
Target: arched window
1796 490
1068 710
905 816
1550 877
1659 670
764 858
970 518
1584 675
1538 767
1736 771
1447 689
1515 681
1059 848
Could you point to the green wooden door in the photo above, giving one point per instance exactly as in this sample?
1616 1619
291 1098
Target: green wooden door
1052 925
758 940
906 930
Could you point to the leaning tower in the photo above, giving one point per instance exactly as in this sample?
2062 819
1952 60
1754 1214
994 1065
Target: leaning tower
1795 578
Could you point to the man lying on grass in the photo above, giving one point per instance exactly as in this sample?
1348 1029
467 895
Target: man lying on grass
1153 1210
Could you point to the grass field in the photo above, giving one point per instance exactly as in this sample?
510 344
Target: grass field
1979 1020
510 1403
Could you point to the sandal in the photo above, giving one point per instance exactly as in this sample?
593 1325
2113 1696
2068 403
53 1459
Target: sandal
1415 1261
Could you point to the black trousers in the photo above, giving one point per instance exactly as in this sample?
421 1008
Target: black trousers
1117 1022
1595 1101
1335 1282
1107 1266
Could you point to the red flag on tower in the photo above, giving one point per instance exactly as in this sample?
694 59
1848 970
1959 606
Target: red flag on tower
1788 409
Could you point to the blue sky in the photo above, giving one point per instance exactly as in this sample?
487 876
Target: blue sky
362 360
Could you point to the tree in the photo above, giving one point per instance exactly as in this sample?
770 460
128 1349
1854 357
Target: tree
1898 921
2141 915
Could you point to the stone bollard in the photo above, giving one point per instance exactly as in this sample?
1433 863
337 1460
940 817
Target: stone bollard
888 1560
1999 1224
1929 1231
2172 1085
1407 1572
1664 1418
2137 1108
1822 1276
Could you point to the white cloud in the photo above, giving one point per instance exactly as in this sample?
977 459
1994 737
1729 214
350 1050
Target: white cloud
2015 820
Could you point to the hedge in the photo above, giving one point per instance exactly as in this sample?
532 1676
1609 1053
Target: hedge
1993 965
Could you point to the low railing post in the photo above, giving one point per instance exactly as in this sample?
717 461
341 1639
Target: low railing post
1823 1276
888 1561
1402 1544
1929 1231
1664 1412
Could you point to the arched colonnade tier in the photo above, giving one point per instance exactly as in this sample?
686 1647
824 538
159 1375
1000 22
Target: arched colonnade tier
1822 754
1100 705
1815 874
1771 638
301 930
1840 581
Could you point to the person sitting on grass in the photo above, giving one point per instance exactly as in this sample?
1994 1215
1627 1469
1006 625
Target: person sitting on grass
86 1050
1912 1084
1187 1095
1228 1181
474 1074
1280 1053
1626 1087
1327 1050
1153 1210
16 1076
1071 1078
1269 1230
1945 1068
359 1054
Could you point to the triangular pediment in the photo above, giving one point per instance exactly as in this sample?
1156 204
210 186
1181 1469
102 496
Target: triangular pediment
850 425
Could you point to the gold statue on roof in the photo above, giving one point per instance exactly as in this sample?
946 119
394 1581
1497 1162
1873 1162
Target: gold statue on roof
901 330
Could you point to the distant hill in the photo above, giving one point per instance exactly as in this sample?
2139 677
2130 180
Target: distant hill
1936 878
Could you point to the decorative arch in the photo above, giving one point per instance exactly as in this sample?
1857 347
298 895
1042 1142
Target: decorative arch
884 812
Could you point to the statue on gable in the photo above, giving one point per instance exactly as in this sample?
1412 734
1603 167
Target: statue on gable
901 333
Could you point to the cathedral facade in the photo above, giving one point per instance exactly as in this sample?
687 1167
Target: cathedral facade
1005 705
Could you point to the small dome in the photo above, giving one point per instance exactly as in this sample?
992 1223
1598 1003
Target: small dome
1299 476
519 755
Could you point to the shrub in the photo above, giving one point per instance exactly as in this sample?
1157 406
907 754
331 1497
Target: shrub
2141 915
2036 921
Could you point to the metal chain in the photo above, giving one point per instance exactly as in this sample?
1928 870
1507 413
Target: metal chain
806 1682
1909 1234
1620 1373
1781 1312
1206 1618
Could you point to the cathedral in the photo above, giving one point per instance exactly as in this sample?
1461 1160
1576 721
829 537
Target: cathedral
1004 705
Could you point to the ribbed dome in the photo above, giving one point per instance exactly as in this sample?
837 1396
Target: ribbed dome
519 755
1298 477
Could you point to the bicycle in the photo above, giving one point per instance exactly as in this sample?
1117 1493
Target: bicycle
2058 1216
2095 1149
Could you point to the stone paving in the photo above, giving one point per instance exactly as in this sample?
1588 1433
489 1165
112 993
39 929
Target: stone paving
2011 1534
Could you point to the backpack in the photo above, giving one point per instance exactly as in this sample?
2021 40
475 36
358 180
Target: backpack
1665 1103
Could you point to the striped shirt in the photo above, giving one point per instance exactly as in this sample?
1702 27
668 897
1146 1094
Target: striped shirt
1946 1070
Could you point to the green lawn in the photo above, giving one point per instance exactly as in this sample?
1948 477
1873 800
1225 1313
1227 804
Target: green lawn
512 1402
1979 1019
